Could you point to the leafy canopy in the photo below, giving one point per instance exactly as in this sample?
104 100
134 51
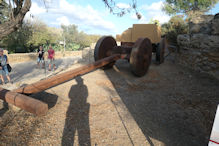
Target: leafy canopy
4 14
154 21
174 27
172 7
12 13
115 9
73 36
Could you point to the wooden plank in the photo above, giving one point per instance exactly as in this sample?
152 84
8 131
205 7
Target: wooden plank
24 102
63 77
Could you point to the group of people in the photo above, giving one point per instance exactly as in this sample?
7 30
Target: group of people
40 53
51 57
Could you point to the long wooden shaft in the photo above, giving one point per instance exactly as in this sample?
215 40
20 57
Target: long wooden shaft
24 102
122 50
63 77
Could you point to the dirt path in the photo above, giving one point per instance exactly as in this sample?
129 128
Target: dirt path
26 72
170 106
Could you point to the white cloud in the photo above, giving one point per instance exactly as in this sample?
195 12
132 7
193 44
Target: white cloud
133 16
153 11
63 20
156 6
36 10
123 6
62 12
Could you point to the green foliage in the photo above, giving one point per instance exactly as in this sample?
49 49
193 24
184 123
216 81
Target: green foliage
30 36
4 14
112 5
188 7
174 27
18 40
154 21
70 33
72 47
76 40
56 47
42 34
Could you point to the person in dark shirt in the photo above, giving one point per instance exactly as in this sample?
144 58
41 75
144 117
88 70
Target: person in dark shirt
3 66
40 54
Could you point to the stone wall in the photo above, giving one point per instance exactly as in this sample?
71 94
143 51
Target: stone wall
23 57
199 49
88 54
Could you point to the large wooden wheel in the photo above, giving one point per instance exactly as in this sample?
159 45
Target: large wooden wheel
140 58
103 49
161 50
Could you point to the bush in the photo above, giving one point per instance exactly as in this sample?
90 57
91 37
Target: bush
72 47
173 28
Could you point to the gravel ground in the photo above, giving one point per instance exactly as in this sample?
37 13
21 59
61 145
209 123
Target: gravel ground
171 106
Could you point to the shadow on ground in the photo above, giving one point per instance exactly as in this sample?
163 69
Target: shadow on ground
167 104
77 116
22 125
48 98
4 109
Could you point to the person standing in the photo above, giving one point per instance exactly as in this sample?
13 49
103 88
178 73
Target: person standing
3 67
40 59
51 57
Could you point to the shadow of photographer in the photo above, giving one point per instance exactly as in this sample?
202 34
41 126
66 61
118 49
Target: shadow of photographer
77 118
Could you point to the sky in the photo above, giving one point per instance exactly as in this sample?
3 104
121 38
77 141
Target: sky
92 17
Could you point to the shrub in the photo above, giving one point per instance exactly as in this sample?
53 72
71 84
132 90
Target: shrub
174 27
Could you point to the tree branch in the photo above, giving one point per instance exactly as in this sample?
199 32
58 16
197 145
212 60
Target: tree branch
115 10
13 24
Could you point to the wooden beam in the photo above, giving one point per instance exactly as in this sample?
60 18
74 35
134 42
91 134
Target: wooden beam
24 102
63 77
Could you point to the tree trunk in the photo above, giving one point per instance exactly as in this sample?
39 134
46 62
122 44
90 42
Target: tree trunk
14 23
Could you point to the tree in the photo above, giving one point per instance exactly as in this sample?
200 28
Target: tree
11 21
120 11
154 21
43 35
18 39
17 9
76 39
40 34
174 27
70 33
188 7
3 12
30 36
16 12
